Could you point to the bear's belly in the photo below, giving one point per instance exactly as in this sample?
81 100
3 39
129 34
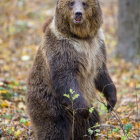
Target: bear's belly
87 71
87 88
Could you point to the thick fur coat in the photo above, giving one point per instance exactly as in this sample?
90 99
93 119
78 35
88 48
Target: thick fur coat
72 55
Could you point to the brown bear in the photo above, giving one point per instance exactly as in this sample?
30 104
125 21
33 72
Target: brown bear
72 55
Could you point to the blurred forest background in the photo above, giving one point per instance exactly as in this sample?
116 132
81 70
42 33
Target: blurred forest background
20 34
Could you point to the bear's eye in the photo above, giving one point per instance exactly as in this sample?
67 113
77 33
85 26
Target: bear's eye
71 4
85 5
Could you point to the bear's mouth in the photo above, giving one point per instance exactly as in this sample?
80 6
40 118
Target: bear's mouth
78 20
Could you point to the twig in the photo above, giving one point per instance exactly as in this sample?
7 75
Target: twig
73 113
137 114
114 112
106 125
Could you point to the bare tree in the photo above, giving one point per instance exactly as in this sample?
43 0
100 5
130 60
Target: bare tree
129 30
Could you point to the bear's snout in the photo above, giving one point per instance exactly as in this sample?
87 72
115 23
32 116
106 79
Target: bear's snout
78 17
78 14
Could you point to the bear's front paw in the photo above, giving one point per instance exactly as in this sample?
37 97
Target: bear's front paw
81 107
111 102
84 113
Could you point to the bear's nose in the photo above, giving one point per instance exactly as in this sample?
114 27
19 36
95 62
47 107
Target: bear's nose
78 14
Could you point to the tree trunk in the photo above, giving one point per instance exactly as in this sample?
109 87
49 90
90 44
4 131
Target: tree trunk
129 30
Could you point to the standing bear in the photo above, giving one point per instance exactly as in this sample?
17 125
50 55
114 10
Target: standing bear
72 55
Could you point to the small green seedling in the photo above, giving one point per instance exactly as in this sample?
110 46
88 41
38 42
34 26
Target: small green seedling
91 109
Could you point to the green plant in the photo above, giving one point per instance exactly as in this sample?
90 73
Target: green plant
72 97
128 127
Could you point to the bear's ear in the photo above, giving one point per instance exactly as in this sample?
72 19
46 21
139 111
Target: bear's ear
46 24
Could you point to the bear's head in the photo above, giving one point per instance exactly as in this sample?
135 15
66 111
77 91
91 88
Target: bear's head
78 18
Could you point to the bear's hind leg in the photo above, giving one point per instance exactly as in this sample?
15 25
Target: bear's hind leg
50 129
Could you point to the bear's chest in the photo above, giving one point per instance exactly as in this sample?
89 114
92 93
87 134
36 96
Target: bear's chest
86 54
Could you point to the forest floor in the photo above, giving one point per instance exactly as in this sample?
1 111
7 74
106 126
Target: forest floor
20 35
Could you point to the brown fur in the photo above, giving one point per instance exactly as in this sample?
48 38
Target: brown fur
46 24
70 56
90 26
